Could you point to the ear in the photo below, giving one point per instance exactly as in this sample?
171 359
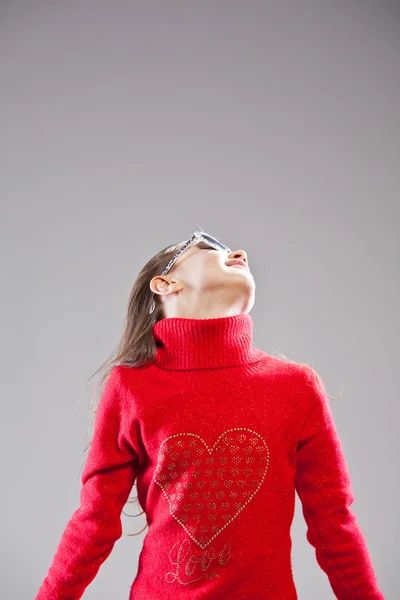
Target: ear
162 286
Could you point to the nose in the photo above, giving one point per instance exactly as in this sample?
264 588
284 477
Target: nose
240 254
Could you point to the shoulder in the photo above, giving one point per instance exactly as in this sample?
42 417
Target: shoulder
114 387
124 375
127 380
297 373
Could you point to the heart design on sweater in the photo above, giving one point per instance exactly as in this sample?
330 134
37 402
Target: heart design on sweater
207 488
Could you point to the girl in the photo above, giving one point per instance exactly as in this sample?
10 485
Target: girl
218 436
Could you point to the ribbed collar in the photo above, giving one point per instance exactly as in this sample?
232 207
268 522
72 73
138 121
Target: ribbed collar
184 344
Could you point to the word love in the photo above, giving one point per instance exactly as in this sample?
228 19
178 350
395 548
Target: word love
191 567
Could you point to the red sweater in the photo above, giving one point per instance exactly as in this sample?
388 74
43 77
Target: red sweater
218 436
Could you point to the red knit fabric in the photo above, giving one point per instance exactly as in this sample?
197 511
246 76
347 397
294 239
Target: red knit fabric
218 437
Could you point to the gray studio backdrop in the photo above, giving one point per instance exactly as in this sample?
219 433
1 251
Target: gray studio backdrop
125 126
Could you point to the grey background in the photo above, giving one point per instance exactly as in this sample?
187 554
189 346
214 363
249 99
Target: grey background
126 125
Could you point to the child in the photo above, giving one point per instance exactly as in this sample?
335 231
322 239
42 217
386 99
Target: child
218 437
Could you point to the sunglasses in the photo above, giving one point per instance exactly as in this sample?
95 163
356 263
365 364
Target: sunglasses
196 237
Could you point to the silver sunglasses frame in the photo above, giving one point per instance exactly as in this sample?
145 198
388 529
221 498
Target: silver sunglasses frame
197 236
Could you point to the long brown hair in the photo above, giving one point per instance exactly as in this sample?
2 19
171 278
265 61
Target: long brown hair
137 347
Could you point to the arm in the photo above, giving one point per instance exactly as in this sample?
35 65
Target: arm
107 479
324 487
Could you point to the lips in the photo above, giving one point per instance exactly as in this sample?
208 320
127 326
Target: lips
241 263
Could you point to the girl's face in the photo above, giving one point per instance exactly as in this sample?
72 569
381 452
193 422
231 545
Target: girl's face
202 281
202 268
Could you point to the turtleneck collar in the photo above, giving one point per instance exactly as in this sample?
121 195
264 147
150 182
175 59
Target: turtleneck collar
184 344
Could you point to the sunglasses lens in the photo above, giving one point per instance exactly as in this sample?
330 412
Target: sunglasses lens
212 240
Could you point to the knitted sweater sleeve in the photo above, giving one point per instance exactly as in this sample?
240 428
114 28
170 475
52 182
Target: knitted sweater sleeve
325 490
107 479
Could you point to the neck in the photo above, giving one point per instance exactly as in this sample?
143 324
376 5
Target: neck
207 305
188 343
